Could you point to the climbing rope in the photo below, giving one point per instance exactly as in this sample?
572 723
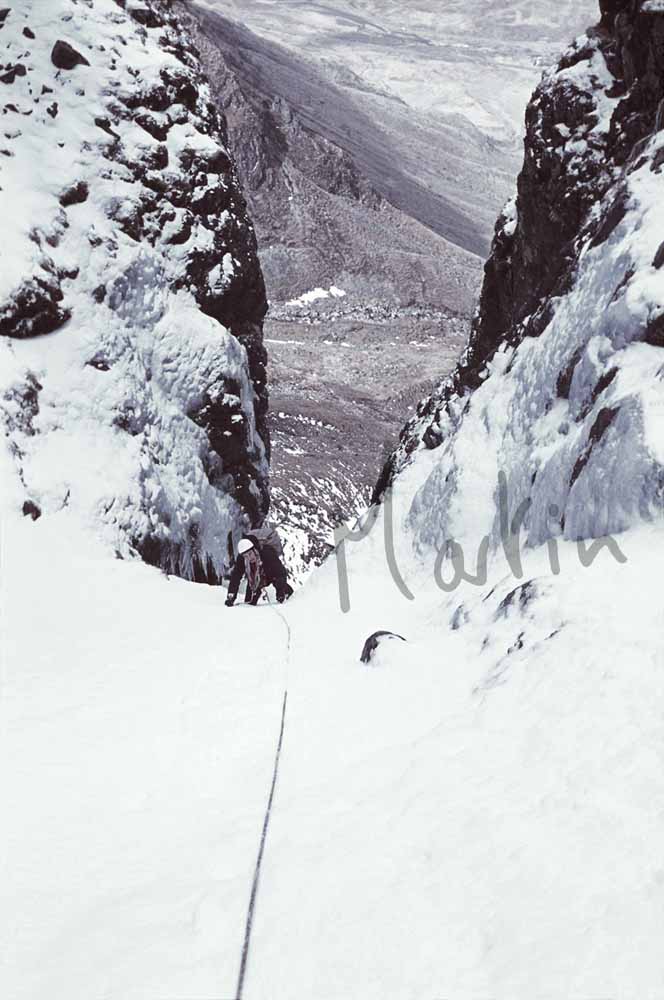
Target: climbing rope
266 822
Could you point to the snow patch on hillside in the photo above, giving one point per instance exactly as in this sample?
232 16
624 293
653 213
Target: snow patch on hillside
316 294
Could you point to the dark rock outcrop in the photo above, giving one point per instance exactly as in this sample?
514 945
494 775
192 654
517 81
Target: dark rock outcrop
10 75
31 510
147 16
35 308
65 56
374 641
75 195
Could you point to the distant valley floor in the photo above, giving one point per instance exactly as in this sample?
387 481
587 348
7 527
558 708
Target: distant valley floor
342 384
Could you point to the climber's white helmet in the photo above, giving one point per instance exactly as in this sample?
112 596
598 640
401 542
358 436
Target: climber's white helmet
244 545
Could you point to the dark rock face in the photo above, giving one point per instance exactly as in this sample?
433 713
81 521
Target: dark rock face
10 75
31 510
604 420
65 56
568 168
146 16
75 195
538 260
35 308
374 641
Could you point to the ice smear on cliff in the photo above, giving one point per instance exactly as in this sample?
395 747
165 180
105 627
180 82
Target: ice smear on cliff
103 414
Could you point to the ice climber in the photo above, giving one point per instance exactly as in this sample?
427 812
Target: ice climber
259 559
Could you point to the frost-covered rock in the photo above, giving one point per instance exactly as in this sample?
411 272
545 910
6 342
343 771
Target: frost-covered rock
126 241
35 305
561 388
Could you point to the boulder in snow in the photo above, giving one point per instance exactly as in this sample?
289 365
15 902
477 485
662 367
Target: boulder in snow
34 308
31 509
373 642
65 56
76 194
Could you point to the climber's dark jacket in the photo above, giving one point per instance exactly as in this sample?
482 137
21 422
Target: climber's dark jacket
274 572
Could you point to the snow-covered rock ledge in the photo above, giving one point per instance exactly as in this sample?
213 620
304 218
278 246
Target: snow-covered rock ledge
131 298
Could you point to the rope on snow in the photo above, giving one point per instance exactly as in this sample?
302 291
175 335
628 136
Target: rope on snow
266 823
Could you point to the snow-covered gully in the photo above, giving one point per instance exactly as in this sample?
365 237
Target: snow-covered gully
477 812
483 792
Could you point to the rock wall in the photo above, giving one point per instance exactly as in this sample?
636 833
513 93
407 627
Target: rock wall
129 253
572 302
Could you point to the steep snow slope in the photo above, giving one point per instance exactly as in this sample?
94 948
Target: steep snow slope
131 299
140 732
477 813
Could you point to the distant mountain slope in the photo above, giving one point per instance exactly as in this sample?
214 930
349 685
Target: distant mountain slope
337 193
442 85
475 59
337 204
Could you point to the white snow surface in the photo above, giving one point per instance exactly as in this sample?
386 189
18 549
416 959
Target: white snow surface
315 294
477 813
110 434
